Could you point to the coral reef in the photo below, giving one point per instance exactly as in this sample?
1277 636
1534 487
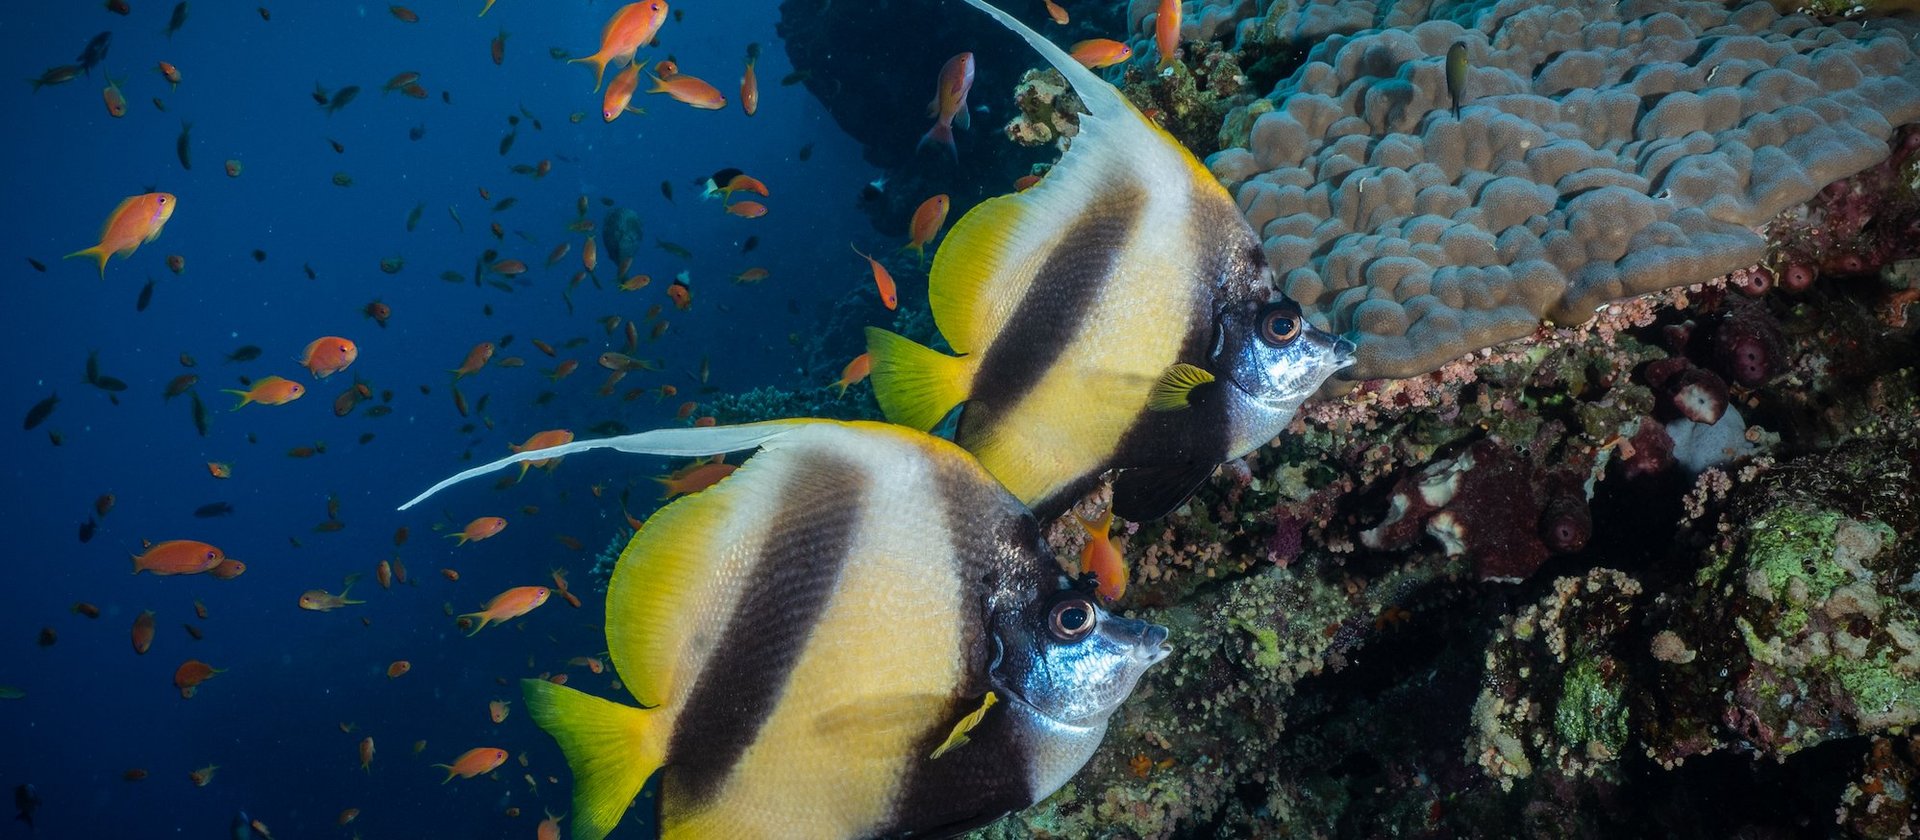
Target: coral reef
1601 151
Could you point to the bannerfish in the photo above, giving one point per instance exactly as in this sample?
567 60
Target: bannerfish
858 633
1118 315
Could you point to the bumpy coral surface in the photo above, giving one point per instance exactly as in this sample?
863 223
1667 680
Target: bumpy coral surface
1602 150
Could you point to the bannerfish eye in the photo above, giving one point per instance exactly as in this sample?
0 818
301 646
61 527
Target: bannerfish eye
1279 326
1071 620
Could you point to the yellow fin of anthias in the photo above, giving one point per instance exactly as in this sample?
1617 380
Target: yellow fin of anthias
1171 392
959 737
611 748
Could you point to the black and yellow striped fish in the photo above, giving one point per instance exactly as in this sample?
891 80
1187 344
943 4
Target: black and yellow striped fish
858 633
1119 314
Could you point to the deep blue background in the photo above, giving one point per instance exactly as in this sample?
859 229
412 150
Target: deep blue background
272 722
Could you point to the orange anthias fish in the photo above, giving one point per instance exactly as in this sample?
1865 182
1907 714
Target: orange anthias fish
632 26
497 710
268 390
191 674
320 600
135 222
508 606
480 529
328 355
747 209
541 440
178 557
228 569
1101 556
619 96
219 469
115 100
143 632
949 103
693 479
853 373
1166 32
366 753
749 89
927 220
171 74
476 359
1058 14
549 828
479 760
1096 53
690 90
889 295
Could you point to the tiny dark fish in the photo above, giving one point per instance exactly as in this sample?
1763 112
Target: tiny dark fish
417 132
666 189
201 419
505 203
309 269
55 76
806 152
87 528
558 54
506 141
37 265
38 413
674 249
607 428
259 256
795 78
93 367
183 146
341 97
367 437
246 353
1457 75
213 509
95 52
380 411
338 147
751 243
178 20
110 384
392 265
146 297
320 95
26 800
413 216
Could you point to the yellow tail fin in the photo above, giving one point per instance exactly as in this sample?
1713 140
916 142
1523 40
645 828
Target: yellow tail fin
599 66
611 748
916 385
97 253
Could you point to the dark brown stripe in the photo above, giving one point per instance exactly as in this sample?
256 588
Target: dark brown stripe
810 538
1048 318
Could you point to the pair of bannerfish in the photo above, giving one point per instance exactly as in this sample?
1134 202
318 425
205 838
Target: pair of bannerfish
861 632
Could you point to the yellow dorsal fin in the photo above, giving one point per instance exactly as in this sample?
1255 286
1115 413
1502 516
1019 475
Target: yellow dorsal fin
1171 392
959 737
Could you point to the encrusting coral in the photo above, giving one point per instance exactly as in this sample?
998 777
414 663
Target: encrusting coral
1601 151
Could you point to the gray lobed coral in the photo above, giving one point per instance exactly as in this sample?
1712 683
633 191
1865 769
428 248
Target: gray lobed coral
1603 150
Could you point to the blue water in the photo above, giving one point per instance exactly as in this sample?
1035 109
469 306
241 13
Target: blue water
273 721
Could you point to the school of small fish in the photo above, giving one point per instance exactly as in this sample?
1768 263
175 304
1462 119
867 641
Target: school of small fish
1007 714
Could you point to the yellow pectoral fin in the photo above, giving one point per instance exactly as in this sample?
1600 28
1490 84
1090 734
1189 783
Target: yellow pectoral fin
916 386
958 738
1170 393
612 749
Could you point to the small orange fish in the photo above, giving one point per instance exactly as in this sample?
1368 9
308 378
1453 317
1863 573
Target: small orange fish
479 760
104 504
378 311
178 557
115 100
399 668
681 291
507 606
693 479
135 774
508 268
619 96
219 469
1058 14
383 574
497 710
227 570
191 674
590 256
631 27
549 828
499 44
853 373
949 103
747 209
1102 557
927 219
401 80
452 575
366 753
1095 53
268 390
1166 32
1025 181
135 222
479 529
170 73
541 440
91 611
666 68
476 359
751 275
328 355
690 90
562 370
403 14
143 632
347 815
203 775
882 280
591 663
749 89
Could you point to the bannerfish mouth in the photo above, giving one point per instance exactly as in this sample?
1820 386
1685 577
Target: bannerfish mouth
1153 645
1345 352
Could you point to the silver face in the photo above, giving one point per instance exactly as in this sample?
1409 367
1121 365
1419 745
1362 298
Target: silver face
1276 360
1073 661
